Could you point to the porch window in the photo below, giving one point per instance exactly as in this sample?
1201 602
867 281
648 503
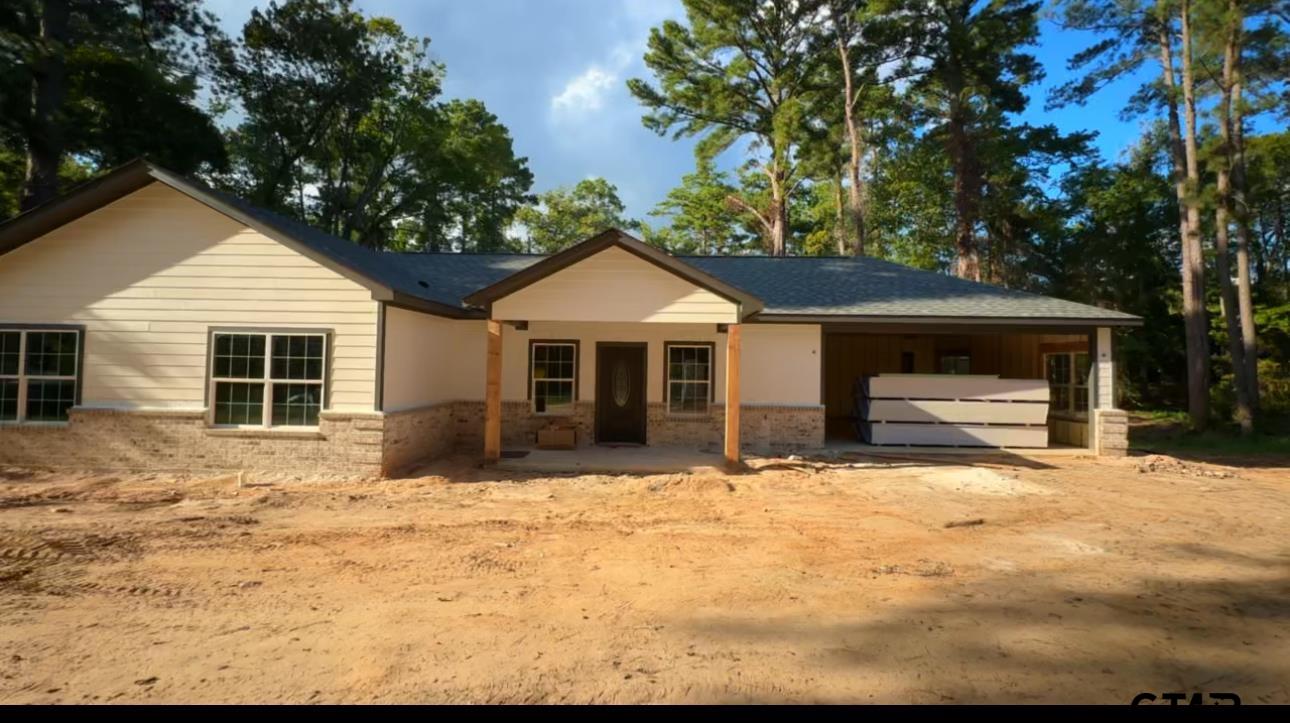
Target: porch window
553 376
39 374
1067 374
956 363
267 379
689 378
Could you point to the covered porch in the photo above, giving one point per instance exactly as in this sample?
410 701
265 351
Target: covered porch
612 344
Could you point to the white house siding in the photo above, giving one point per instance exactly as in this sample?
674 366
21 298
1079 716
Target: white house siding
149 274
615 286
430 359
780 364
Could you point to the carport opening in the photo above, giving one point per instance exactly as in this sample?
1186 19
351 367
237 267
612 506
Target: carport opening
1062 360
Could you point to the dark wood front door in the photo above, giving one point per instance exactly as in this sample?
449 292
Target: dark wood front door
620 393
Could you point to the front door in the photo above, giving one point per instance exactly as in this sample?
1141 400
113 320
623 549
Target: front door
620 393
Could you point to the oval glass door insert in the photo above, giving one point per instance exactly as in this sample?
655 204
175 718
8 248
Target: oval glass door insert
622 384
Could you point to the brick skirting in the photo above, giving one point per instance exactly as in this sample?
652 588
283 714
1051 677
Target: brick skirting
361 444
345 444
763 428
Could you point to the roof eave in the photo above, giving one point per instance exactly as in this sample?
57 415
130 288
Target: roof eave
1027 321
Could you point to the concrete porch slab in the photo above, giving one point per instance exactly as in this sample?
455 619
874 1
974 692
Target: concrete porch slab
611 460
1055 450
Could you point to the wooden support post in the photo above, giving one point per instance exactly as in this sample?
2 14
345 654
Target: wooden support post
732 394
493 394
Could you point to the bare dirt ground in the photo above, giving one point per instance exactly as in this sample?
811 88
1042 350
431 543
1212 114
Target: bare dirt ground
1086 581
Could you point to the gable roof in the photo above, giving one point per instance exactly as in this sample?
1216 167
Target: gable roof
614 238
819 289
367 267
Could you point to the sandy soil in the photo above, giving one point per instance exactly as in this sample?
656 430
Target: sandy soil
1087 581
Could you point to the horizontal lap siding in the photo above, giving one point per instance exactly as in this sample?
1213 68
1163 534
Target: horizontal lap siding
614 285
148 276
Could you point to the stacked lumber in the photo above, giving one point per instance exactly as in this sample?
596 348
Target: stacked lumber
955 410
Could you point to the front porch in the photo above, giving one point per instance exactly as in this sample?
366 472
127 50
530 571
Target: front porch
611 460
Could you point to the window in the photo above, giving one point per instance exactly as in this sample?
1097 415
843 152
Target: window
1067 374
689 377
267 379
39 374
956 364
553 376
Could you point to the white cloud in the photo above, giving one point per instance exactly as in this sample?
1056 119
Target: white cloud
585 92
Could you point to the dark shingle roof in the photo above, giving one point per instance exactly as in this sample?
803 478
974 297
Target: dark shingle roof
873 287
807 286
863 288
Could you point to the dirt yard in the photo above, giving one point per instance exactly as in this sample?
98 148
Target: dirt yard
836 581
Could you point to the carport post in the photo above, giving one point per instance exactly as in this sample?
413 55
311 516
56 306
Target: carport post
493 394
732 394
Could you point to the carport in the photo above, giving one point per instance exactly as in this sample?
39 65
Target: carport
1060 353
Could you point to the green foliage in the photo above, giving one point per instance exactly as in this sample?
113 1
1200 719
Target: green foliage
700 215
738 69
130 88
342 127
565 216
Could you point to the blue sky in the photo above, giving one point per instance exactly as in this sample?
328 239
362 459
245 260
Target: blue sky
554 72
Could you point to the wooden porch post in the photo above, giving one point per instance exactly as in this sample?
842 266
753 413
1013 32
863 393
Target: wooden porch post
732 394
493 394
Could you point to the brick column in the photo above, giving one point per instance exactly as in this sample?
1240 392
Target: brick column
1110 430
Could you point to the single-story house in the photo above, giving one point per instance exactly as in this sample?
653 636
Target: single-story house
147 321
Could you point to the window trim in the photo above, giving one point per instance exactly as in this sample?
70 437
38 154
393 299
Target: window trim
266 415
577 372
1071 410
711 346
77 377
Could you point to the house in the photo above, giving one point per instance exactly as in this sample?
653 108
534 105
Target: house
147 321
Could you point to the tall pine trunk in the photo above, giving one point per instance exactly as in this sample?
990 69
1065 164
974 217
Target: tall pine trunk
48 90
855 198
1244 292
1222 247
1193 270
967 191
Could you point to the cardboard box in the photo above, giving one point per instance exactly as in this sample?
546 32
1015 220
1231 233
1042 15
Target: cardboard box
561 437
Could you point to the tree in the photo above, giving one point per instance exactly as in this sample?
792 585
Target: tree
565 216
1241 341
966 73
740 69
80 76
342 128
858 68
702 220
1136 32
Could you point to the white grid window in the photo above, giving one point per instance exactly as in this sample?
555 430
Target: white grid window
1067 374
553 369
261 379
38 374
689 378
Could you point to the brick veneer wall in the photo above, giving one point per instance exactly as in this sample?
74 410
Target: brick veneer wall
348 444
1112 432
416 435
763 428
362 444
